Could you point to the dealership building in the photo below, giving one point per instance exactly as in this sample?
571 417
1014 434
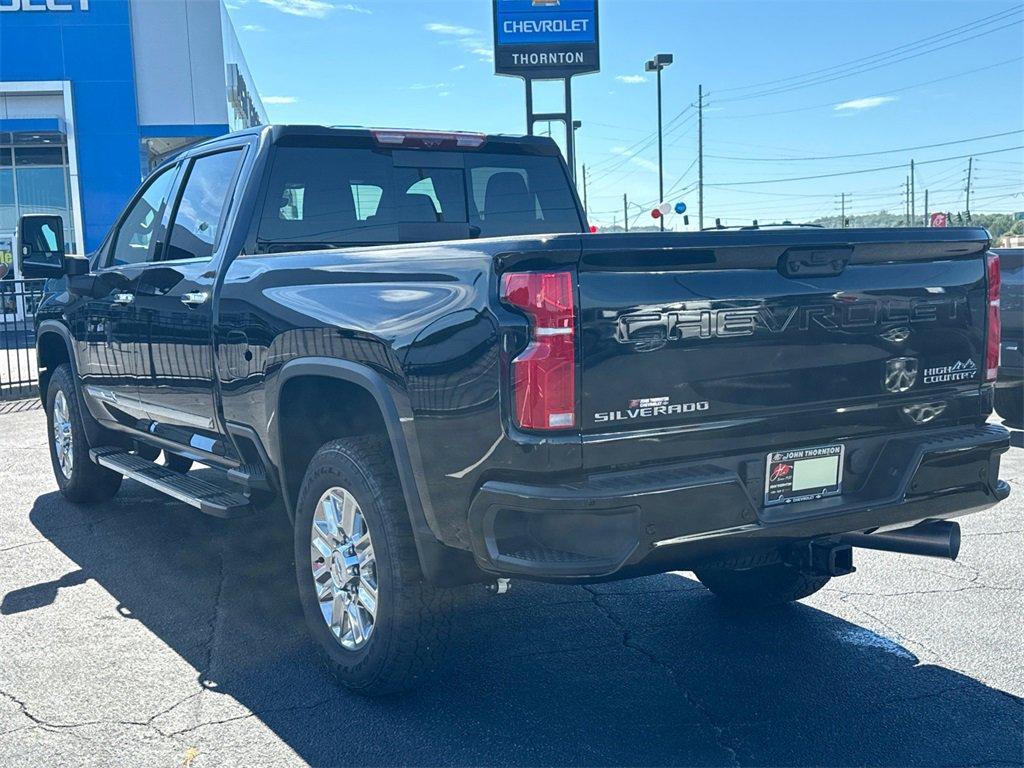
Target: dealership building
94 94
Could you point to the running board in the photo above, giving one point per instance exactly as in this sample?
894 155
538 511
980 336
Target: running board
208 498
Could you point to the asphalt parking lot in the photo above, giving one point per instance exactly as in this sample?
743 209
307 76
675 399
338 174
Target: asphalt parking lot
139 632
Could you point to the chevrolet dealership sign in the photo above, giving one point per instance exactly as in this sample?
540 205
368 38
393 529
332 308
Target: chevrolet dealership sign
545 39
43 5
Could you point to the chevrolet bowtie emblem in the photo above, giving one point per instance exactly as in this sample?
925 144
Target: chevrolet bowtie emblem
900 374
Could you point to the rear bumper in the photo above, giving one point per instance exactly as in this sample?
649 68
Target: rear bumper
654 519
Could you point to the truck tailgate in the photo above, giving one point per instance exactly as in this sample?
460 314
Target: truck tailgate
722 342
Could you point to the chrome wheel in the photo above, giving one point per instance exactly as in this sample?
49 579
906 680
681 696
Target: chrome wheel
62 440
344 568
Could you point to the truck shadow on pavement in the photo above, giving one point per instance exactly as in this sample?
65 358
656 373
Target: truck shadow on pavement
647 672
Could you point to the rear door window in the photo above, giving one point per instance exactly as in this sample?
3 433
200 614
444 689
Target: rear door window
201 206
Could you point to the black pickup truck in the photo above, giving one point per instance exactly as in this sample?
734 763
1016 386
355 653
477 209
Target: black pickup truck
411 342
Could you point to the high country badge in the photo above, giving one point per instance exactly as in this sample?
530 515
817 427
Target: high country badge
961 370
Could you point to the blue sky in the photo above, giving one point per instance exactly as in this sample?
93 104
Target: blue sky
429 64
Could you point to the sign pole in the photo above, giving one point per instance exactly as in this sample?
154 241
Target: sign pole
570 134
547 40
529 105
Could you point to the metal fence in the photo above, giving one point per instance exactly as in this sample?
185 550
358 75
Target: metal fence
19 372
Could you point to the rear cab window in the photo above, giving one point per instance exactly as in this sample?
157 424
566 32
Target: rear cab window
324 196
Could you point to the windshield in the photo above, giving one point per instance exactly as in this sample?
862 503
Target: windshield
341 196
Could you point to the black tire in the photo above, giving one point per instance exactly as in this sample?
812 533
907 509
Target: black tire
177 463
146 451
761 586
1010 405
88 482
412 621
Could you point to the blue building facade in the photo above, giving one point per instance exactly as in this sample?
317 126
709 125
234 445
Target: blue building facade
95 93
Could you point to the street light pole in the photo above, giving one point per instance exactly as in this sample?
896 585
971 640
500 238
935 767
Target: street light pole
661 164
576 125
658 63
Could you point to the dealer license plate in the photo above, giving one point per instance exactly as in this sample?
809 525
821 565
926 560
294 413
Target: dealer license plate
803 475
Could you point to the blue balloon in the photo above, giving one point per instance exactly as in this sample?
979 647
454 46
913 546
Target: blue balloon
680 207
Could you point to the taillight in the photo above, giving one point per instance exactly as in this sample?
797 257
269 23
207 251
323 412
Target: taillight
992 337
544 375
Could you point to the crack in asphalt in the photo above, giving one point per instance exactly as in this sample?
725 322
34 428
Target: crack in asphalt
253 713
52 727
629 643
210 649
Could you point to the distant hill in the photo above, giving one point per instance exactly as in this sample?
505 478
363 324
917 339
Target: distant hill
998 224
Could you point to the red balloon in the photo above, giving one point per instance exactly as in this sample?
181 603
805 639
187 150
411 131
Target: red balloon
656 213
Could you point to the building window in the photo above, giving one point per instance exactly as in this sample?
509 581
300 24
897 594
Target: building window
34 179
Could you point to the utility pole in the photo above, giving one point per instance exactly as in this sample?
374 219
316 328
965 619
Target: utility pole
970 167
913 205
586 208
842 216
906 202
700 157
625 212
926 222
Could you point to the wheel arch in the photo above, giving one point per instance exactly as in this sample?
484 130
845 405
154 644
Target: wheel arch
53 347
440 564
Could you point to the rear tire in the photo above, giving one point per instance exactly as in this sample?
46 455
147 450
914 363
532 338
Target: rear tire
1010 405
351 504
79 479
761 586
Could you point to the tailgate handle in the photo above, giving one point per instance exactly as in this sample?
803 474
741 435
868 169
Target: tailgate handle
814 262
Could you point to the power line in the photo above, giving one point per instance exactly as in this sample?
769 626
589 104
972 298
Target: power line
646 140
624 156
882 93
865 154
864 170
858 66
682 176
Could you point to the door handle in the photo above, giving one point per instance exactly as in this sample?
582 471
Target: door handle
124 298
194 298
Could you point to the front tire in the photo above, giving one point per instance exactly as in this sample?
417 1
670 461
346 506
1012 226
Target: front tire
79 479
761 586
379 625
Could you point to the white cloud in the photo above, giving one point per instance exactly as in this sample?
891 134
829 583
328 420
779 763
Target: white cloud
279 99
450 29
639 162
312 8
428 86
444 93
470 40
631 79
865 103
479 49
458 68
253 28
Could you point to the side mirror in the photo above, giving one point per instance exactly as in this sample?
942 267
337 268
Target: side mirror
40 245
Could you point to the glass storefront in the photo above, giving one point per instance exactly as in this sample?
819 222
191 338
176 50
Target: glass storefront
34 179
